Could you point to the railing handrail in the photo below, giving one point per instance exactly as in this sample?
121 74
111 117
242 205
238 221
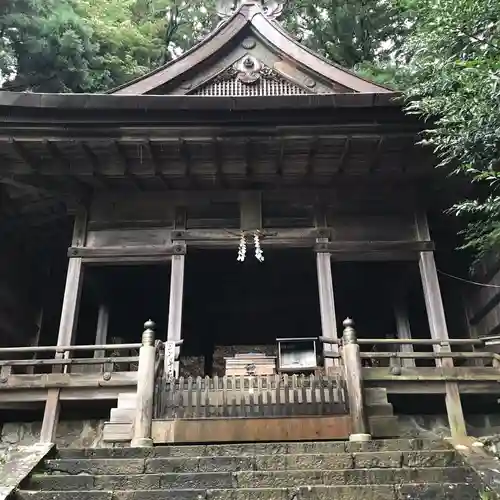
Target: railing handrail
72 348
69 361
68 348
327 340
427 355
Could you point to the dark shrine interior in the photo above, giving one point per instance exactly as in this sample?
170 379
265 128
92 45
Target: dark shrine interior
229 303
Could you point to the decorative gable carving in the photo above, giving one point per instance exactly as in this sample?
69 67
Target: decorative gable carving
271 8
249 77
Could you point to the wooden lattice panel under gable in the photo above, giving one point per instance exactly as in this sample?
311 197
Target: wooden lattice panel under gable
235 87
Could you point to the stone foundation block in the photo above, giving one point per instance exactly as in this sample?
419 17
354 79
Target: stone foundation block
204 480
59 483
385 459
95 466
132 482
428 491
172 464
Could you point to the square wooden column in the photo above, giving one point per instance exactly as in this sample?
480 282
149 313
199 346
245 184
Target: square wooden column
326 297
101 335
68 322
403 330
174 331
327 305
438 327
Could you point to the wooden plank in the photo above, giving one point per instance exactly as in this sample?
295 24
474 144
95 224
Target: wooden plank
197 412
253 429
127 237
437 324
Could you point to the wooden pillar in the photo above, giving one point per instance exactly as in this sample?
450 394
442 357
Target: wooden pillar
145 388
67 325
438 327
174 331
353 376
404 330
101 335
326 297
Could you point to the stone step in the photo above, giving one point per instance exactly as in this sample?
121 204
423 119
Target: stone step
248 479
429 491
257 449
385 459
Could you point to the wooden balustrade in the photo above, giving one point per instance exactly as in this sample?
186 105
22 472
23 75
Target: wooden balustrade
250 396
420 377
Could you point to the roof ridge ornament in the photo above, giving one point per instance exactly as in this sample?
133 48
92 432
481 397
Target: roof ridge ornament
272 9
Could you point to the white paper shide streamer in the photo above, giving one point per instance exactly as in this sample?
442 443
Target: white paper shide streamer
242 249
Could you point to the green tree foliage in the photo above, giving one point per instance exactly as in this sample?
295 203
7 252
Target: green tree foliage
453 73
350 32
94 45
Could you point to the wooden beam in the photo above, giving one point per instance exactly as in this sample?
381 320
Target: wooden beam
427 374
279 157
156 163
250 210
311 158
67 325
374 246
437 324
345 156
375 157
111 253
56 381
94 163
185 156
120 153
218 158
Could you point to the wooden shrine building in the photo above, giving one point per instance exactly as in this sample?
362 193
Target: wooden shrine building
247 197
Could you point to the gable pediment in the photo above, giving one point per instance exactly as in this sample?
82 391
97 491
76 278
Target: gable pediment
249 55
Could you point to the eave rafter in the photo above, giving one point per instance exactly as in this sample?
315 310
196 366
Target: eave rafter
209 161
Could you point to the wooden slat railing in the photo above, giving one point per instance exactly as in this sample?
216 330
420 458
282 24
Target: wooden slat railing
258 396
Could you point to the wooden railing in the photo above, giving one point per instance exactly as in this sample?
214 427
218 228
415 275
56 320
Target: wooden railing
54 372
249 396
349 359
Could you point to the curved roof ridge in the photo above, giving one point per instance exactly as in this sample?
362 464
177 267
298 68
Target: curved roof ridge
249 14
293 40
211 36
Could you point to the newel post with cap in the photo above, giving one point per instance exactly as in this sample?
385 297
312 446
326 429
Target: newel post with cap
145 388
353 374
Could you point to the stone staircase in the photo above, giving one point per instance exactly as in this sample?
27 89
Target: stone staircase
396 469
